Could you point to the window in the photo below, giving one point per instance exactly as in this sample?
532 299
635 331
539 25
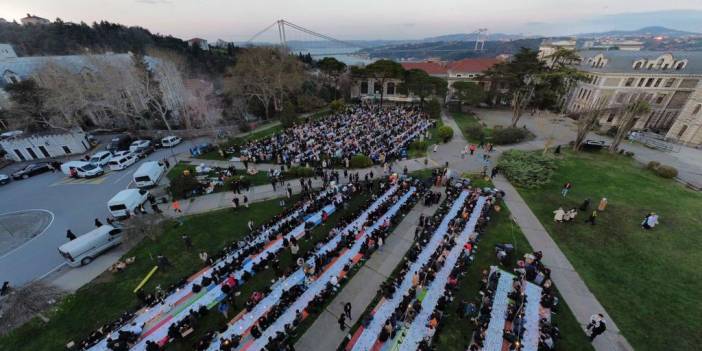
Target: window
658 82
660 98
391 88
638 65
649 82
697 109
377 88
641 82
682 130
32 154
66 150
19 154
364 87
669 83
610 118
620 98
629 82
43 151
665 66
679 66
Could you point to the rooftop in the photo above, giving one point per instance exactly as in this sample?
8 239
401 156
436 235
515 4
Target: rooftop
619 61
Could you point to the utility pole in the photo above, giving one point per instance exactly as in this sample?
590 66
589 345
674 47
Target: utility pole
479 39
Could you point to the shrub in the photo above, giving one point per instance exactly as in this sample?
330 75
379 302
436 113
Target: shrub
419 145
337 105
666 171
527 169
299 172
445 133
360 161
629 154
183 186
612 131
653 165
509 135
475 132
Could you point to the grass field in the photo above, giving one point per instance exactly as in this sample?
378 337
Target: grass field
110 294
260 178
455 333
467 120
648 281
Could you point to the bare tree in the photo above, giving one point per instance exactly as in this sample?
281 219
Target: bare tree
587 119
265 75
627 121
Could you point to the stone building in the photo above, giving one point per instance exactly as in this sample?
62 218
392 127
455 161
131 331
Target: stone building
668 81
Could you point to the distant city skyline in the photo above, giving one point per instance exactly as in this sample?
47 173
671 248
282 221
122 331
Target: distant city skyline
237 20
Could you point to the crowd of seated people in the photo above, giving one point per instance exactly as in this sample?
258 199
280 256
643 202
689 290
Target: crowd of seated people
313 263
377 132
529 269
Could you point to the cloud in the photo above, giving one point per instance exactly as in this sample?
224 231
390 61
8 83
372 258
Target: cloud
155 2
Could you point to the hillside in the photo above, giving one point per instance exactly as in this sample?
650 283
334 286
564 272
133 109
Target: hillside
453 50
64 38
646 31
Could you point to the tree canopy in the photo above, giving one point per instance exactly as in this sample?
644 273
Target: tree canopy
423 85
468 93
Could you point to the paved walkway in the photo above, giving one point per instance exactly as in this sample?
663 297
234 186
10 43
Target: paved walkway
324 334
574 291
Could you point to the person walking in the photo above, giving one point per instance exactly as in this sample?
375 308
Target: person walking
176 206
235 202
347 310
597 326
342 322
251 225
472 149
70 235
566 188
246 201
223 308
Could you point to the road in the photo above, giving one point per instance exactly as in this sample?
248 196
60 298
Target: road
74 203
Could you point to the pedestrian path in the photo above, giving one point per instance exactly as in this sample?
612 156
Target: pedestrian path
573 289
360 291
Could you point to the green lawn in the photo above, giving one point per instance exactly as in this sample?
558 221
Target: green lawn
260 178
455 333
109 295
648 281
467 120
417 149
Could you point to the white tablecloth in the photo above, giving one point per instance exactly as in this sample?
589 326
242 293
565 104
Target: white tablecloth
493 337
370 334
530 340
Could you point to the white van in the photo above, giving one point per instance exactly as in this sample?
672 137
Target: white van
148 174
120 163
170 141
86 247
81 169
101 158
126 201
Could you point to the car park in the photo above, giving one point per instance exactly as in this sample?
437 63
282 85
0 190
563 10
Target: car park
122 162
4 179
101 158
170 141
85 248
31 170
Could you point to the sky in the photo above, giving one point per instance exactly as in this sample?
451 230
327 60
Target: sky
237 20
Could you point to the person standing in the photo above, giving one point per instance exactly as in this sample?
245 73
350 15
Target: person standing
290 191
224 309
347 310
235 202
246 201
603 205
176 206
597 325
70 235
187 241
566 188
585 205
472 149
98 224
251 225
592 218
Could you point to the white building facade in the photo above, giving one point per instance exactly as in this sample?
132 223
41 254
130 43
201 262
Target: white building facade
42 146
669 82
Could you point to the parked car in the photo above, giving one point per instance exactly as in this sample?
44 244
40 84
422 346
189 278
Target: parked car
122 153
139 145
170 141
146 151
31 170
85 248
101 158
120 163
81 169
125 202
120 142
4 179
148 174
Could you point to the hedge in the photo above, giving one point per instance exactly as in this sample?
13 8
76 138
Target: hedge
509 135
360 161
527 169
299 172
